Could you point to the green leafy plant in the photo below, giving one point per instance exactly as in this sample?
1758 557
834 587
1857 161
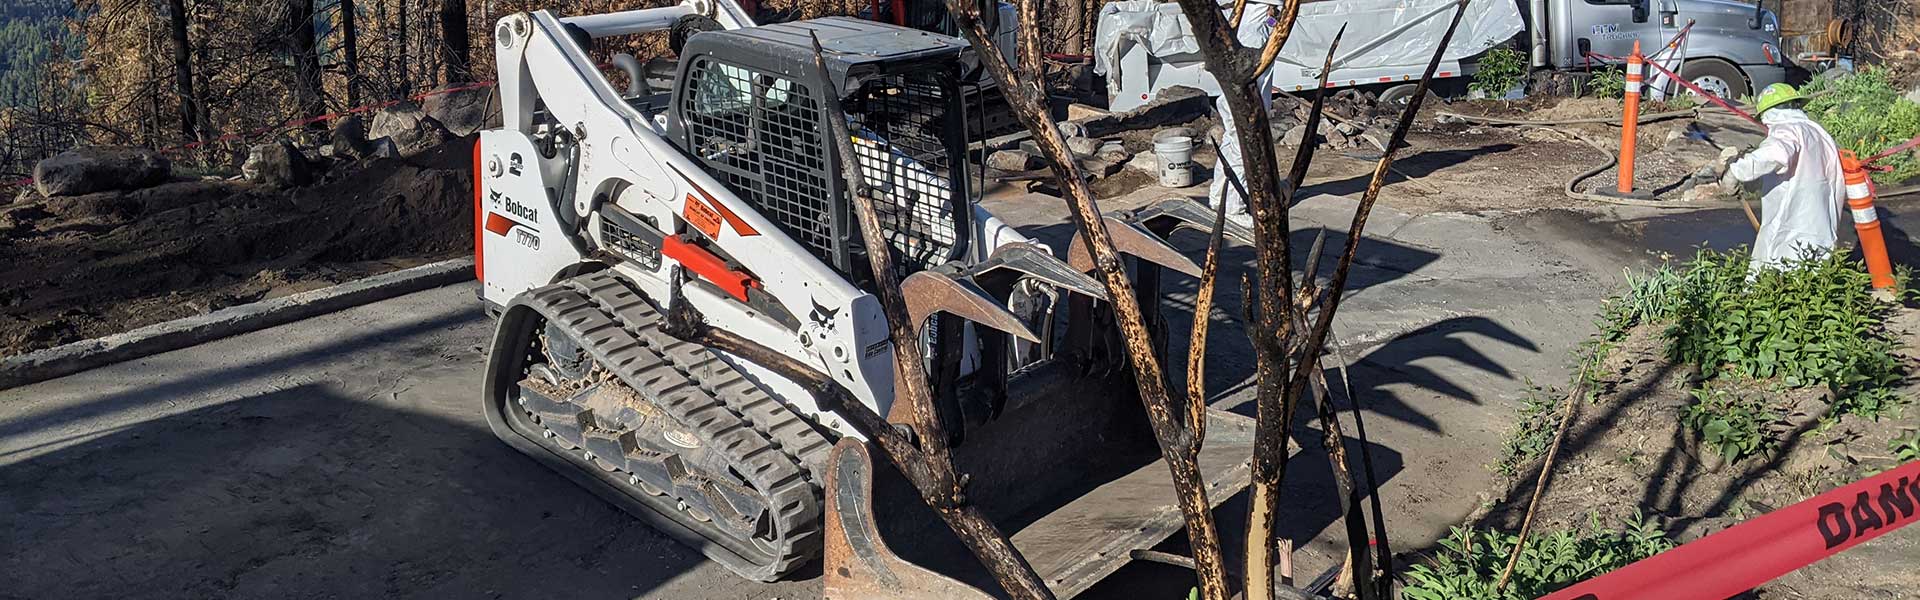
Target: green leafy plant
1905 448
1811 323
1729 422
1470 561
1499 70
1532 433
1609 82
1866 113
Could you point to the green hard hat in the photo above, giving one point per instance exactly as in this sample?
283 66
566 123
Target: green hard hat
1776 95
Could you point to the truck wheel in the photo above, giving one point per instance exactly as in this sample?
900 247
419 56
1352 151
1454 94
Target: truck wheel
1716 76
1398 96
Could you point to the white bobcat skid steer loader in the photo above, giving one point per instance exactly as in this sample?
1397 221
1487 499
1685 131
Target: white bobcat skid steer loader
595 206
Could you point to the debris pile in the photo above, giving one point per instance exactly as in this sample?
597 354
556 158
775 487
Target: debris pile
1353 120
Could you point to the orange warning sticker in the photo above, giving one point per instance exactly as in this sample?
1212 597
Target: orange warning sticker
702 217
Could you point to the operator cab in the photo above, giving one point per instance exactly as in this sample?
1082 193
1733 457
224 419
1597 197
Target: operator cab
751 107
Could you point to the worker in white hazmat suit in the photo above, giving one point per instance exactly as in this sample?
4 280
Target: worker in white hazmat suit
1256 23
1801 186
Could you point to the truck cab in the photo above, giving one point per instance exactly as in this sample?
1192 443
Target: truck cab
1732 50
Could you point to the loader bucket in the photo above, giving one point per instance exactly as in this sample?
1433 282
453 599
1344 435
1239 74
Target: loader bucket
1070 470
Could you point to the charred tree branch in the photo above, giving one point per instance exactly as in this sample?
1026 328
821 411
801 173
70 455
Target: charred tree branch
939 486
1181 455
1237 69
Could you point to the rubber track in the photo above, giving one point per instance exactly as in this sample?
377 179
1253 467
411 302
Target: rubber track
790 431
621 331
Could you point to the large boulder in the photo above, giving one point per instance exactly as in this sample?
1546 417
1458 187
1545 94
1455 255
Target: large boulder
465 111
1012 161
349 138
278 164
412 130
100 168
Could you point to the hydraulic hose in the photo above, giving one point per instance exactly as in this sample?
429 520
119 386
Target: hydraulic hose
1571 189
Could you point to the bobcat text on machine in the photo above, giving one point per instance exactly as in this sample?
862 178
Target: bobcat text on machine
594 206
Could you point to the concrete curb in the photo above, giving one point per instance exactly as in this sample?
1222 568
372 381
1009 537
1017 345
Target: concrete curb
67 359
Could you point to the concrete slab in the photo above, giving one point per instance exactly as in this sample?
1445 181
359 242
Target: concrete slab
340 456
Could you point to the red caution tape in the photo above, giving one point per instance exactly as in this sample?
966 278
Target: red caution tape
1746 555
1903 147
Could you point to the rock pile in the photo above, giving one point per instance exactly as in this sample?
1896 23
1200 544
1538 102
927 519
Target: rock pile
1352 120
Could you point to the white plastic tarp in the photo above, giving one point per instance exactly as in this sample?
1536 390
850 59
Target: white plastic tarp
1380 33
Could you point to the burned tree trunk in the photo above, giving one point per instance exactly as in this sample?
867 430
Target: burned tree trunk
350 44
1237 69
183 69
1179 439
301 47
455 54
932 473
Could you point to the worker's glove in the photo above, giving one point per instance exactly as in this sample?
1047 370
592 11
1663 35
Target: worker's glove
1729 183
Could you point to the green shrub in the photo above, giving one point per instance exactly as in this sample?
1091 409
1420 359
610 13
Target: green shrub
1499 70
1470 561
1865 113
1813 323
1609 82
1532 433
1730 423
1905 448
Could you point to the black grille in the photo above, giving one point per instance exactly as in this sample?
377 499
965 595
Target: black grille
760 134
763 134
901 127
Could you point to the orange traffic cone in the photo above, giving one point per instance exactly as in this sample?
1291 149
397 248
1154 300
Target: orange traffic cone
1630 124
1866 220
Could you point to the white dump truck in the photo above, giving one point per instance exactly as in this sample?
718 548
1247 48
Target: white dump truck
1733 48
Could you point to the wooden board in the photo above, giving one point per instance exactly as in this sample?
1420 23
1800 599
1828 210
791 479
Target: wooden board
1078 544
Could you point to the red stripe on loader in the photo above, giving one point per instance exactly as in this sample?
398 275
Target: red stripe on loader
479 215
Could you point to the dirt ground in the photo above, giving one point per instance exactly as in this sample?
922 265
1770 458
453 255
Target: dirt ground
1450 165
1627 455
81 267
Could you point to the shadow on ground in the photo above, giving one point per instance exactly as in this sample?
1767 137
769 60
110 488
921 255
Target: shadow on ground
304 492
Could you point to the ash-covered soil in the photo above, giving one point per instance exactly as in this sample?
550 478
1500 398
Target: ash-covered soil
74 268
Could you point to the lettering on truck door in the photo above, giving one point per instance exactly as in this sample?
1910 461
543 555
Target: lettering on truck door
1609 27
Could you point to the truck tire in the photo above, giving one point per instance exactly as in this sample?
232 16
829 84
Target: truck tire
1398 96
1715 75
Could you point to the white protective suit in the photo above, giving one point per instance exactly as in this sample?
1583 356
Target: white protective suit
1802 188
1255 25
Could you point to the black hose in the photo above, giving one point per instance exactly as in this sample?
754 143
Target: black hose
1571 189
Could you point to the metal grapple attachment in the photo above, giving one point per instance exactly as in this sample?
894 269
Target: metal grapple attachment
862 566
1075 412
1175 213
1136 241
981 294
977 293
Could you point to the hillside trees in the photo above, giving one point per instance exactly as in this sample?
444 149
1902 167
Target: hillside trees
168 73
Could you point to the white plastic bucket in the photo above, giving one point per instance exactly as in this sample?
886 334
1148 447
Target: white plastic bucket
1175 155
